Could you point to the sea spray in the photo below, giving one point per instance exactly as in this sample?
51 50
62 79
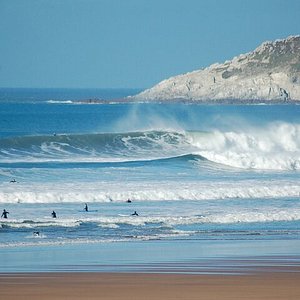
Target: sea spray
275 147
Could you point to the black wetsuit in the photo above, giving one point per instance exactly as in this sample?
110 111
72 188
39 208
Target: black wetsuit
4 214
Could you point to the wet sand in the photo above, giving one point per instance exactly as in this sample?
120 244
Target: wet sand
110 286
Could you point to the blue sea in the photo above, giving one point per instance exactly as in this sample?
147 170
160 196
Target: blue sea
195 174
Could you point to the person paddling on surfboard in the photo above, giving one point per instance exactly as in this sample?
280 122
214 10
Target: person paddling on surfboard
135 213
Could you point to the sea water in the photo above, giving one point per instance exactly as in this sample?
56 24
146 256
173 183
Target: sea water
192 172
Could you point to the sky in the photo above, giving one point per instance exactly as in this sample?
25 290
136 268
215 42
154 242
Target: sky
130 43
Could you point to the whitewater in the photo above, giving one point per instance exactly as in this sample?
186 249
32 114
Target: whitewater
190 171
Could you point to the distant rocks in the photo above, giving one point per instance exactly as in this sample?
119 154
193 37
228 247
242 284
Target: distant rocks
269 74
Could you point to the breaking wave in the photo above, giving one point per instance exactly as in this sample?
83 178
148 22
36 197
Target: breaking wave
166 222
99 147
276 147
60 101
147 191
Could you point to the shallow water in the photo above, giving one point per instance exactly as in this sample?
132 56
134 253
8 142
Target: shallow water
188 256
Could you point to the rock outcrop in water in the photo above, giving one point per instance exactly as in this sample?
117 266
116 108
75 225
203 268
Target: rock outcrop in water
271 73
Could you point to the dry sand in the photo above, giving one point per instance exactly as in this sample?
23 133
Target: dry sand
33 286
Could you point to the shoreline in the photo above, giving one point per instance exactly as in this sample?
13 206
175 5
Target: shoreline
248 277
109 286
173 256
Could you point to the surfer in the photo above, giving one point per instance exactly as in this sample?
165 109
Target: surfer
4 214
13 181
36 233
128 201
86 208
53 214
135 213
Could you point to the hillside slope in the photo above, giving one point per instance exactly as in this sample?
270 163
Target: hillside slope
270 73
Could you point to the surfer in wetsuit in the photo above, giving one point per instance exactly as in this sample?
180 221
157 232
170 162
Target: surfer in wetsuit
128 201
53 214
86 208
135 213
4 214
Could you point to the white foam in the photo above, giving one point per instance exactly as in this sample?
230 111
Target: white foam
76 241
112 226
276 147
60 101
82 192
226 216
38 222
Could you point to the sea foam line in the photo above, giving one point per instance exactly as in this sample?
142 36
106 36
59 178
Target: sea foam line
152 191
165 221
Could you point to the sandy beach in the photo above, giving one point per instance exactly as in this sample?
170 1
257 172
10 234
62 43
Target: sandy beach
269 285
70 272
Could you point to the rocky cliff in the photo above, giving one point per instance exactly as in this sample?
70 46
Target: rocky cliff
271 73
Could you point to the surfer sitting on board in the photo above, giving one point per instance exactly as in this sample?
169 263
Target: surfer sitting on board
53 214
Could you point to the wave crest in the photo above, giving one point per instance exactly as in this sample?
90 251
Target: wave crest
119 192
276 147
98 147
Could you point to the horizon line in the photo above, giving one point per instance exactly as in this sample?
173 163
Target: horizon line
77 88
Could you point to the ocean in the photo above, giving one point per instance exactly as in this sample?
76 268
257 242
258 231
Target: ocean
208 174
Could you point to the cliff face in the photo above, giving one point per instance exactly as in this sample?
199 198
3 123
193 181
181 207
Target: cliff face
270 73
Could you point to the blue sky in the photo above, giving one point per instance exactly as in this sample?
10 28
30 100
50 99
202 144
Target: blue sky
130 43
